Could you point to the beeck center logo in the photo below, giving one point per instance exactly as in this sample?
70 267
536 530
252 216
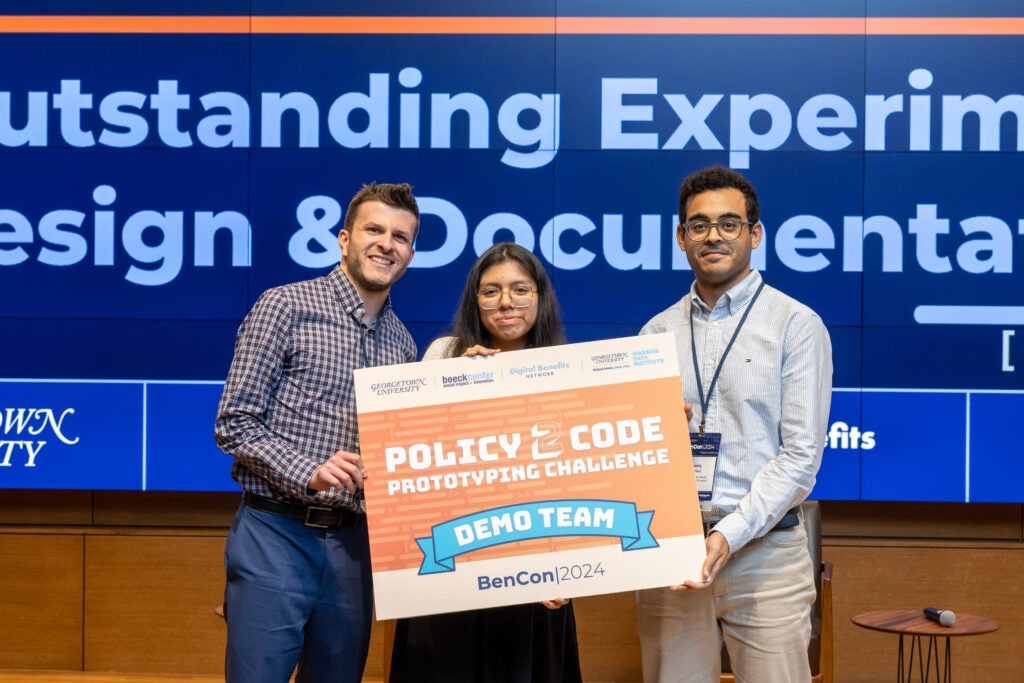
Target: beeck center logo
467 379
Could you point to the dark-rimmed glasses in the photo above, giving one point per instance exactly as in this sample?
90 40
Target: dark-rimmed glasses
729 229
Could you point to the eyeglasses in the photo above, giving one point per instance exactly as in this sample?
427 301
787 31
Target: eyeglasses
729 229
520 296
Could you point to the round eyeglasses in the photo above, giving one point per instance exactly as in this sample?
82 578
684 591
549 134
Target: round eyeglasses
520 296
729 229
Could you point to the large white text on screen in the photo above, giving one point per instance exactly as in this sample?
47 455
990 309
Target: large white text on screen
634 114
152 246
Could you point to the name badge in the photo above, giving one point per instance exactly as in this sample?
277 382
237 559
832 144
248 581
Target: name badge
705 449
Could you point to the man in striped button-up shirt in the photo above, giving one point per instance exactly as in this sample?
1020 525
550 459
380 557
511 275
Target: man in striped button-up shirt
756 367
297 554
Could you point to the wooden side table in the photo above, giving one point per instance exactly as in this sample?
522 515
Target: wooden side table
914 624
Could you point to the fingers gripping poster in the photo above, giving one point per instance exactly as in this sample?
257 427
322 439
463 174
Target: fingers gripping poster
526 476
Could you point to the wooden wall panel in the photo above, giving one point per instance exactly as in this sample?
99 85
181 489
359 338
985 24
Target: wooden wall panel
122 581
149 604
609 645
376 657
45 507
966 579
40 601
166 508
976 521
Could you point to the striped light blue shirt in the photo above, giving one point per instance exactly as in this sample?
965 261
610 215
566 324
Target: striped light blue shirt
770 404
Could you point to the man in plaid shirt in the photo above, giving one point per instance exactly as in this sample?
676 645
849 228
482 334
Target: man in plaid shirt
297 555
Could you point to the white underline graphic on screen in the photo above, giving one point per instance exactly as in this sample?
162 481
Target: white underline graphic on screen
969 315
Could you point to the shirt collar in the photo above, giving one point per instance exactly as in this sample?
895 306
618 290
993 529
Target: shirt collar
734 299
349 297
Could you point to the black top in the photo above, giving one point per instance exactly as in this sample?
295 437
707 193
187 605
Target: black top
516 644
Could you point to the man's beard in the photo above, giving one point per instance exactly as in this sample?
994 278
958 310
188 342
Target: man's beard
354 270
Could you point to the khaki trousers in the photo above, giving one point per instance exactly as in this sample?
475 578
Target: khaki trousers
759 604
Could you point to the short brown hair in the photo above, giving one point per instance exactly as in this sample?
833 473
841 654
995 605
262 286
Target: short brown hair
395 195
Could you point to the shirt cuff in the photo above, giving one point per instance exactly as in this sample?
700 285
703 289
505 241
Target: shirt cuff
735 530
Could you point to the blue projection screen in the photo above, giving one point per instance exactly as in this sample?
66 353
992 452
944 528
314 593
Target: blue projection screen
164 163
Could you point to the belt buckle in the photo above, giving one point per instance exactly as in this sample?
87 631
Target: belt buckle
315 508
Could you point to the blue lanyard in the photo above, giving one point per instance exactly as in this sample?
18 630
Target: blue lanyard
706 400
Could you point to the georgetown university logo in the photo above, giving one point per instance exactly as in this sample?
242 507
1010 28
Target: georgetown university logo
398 386
24 432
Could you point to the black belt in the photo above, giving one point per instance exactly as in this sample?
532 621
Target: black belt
310 515
788 521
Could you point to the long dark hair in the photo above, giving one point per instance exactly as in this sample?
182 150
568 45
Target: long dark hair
467 326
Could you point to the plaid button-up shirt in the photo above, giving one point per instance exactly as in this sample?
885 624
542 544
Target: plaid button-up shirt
289 399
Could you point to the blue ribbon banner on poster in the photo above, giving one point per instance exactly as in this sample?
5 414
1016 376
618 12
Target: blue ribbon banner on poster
161 170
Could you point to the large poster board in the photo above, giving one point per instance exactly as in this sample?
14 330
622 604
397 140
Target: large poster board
529 475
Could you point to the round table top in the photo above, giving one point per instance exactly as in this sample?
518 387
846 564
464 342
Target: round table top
913 622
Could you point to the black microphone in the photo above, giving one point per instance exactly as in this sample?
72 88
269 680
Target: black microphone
941 616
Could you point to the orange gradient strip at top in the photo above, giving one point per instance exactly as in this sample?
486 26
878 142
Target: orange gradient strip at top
406 25
123 24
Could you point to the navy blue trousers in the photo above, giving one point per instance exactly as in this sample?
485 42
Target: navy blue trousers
296 596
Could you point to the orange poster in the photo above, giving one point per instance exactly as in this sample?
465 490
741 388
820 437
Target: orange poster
528 475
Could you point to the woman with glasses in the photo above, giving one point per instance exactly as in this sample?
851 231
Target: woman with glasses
507 304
